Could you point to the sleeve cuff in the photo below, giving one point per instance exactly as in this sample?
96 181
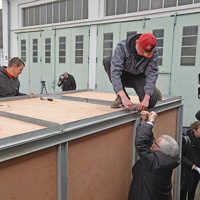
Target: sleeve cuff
150 123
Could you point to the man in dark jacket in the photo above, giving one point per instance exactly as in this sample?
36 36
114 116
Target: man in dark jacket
134 65
190 162
9 83
67 82
152 172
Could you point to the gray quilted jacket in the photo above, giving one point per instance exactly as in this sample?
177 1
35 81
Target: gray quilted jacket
124 59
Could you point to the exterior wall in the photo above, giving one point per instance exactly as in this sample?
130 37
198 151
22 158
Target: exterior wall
97 78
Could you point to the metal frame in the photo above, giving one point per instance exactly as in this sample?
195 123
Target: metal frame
60 134
28 119
135 156
62 163
177 176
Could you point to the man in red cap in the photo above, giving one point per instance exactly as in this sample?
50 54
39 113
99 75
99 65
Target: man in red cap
134 65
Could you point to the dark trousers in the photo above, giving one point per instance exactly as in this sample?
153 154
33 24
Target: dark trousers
137 82
188 188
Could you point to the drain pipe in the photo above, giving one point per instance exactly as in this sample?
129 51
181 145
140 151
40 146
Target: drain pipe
6 30
172 55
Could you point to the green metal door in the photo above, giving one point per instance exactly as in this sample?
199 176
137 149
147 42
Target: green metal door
186 62
107 39
23 52
79 47
163 29
130 28
63 54
35 62
48 60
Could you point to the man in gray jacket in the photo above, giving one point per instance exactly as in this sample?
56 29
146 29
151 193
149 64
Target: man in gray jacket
9 83
134 65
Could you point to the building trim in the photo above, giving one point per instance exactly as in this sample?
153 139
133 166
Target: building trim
164 12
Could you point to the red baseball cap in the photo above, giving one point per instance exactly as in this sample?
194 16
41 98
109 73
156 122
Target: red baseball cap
146 44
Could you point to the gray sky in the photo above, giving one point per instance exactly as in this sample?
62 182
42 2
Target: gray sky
0 3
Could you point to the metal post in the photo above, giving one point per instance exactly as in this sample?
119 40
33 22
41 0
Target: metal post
177 176
135 156
62 166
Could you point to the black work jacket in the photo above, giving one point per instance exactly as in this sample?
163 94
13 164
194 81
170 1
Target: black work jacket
152 172
67 83
190 155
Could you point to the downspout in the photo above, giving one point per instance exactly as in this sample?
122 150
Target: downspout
8 17
172 55
8 29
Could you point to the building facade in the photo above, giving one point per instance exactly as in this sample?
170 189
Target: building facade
75 35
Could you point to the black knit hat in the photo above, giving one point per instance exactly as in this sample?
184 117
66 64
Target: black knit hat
197 115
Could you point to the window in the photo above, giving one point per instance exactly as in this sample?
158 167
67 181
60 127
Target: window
35 50
37 15
169 3
189 43
48 50
131 33
184 2
49 13
155 4
31 16
121 6
43 14
62 11
26 16
144 5
77 9
199 79
70 10
79 49
116 7
199 93
23 50
56 12
107 44
132 6
85 9
110 7
159 34
62 49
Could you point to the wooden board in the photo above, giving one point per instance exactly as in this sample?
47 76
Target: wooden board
100 165
10 127
31 177
59 111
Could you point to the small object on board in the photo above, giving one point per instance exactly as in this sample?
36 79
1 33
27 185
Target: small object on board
45 98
